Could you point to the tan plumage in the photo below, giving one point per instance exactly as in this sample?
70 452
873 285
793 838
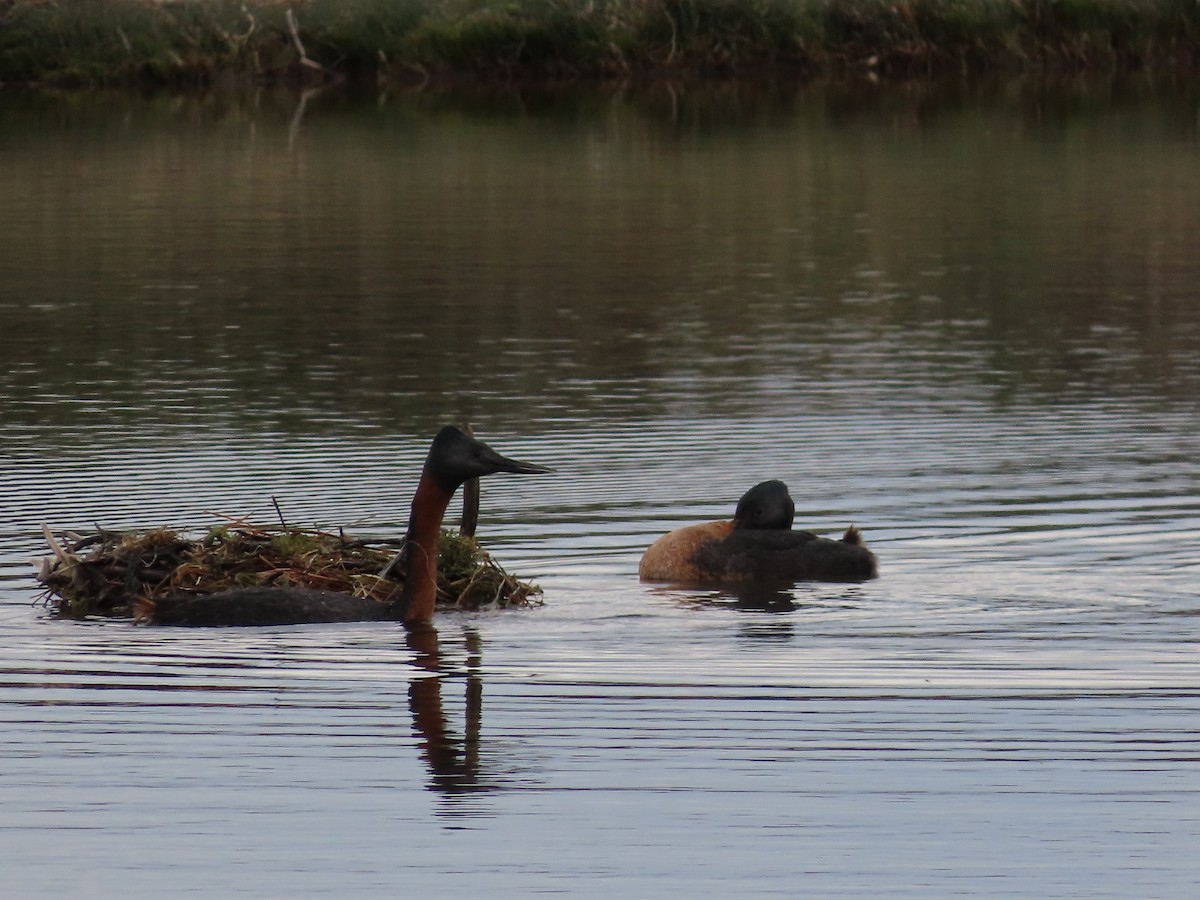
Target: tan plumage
672 556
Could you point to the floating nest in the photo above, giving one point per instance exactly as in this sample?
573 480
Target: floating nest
114 574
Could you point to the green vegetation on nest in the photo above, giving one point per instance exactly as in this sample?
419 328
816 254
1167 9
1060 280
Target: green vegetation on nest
206 41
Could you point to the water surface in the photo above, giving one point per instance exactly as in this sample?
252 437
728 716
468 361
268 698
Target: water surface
966 321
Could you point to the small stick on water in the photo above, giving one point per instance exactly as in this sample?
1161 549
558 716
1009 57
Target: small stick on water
278 512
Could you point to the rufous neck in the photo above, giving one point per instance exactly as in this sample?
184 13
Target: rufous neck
421 552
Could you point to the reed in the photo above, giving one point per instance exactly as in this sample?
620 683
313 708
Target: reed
113 41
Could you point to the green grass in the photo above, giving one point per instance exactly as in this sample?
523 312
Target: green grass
132 41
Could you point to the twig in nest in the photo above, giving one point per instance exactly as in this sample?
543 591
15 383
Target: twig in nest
387 570
278 511
55 547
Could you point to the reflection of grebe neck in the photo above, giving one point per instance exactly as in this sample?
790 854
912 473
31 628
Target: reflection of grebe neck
453 761
423 642
425 699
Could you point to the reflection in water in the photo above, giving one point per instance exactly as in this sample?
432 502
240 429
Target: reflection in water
767 247
773 630
756 596
761 596
453 758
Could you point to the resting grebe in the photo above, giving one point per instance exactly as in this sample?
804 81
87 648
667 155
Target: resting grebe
757 545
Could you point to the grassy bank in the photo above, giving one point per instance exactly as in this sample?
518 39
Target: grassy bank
206 41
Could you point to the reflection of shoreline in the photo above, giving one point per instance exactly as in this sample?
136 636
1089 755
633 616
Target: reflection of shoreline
1091 304
452 759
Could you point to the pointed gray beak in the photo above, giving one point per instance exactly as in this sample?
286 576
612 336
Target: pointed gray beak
498 463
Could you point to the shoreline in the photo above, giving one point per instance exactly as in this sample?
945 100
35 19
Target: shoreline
203 43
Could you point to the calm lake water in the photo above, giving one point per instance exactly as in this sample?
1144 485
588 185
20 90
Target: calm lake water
966 321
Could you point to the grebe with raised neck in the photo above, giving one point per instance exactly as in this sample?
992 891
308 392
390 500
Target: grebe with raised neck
454 457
